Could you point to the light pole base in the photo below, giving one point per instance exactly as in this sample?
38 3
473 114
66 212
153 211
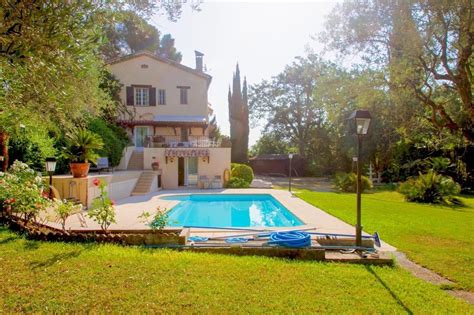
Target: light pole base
358 235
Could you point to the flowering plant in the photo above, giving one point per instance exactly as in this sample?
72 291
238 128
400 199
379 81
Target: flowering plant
102 209
64 209
159 221
21 191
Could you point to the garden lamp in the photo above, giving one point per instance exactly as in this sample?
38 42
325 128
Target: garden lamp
360 120
50 167
290 157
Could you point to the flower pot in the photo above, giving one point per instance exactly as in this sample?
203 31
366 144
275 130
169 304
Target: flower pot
79 170
155 166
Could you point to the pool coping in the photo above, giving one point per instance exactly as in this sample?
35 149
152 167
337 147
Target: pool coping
226 193
128 209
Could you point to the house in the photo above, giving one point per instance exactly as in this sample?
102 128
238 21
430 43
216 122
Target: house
167 120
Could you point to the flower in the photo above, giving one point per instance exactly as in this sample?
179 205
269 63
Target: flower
112 202
96 182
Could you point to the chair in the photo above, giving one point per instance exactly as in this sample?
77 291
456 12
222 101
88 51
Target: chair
101 165
203 182
217 182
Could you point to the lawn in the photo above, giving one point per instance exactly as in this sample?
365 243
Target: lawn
438 237
59 277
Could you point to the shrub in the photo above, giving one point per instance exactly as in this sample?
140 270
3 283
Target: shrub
431 188
159 221
102 209
64 209
21 190
114 137
242 171
236 182
347 182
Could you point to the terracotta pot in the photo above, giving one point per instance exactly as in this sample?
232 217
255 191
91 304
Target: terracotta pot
79 170
155 166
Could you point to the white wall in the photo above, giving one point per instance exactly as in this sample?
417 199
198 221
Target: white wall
219 161
165 76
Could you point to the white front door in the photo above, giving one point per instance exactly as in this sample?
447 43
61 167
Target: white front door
141 133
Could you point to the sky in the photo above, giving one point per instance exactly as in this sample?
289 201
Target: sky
261 36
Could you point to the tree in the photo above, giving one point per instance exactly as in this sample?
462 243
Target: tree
270 143
168 50
239 119
50 68
424 46
286 103
129 34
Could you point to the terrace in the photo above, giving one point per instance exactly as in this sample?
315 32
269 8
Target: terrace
166 141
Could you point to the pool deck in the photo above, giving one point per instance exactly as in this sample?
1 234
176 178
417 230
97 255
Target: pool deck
128 210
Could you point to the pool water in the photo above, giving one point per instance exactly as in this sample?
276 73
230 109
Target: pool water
230 210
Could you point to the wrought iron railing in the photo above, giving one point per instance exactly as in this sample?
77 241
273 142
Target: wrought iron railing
160 141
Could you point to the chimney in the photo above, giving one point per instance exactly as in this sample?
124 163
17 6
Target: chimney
199 56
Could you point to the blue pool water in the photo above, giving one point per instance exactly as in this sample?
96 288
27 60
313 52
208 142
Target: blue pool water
230 210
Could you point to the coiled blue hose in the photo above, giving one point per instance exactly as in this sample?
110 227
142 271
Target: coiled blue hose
295 239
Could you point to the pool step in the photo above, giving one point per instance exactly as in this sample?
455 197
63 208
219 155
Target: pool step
143 185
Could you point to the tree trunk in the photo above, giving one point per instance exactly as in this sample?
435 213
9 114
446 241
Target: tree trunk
4 150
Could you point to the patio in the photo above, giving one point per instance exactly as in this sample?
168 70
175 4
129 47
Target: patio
128 210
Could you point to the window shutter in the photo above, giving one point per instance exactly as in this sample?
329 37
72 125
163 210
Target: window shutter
152 96
130 95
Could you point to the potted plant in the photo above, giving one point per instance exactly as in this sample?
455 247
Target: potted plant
155 165
81 146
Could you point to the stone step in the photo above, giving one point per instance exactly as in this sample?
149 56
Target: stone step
143 185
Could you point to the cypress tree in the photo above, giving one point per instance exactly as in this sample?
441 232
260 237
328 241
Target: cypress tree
239 119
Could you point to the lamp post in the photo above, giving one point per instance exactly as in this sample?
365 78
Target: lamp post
360 120
50 167
290 157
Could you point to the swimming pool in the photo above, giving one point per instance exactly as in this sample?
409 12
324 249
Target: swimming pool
230 210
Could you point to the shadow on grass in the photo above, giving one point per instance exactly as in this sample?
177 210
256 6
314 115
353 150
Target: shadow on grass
55 259
384 284
31 245
8 240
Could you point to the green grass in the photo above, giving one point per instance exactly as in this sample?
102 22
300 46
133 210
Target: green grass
438 237
59 277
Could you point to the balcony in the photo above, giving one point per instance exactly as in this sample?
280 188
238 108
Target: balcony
176 142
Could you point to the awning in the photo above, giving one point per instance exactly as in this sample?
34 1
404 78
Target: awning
168 121
187 152
181 119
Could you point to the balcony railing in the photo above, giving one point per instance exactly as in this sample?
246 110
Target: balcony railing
175 142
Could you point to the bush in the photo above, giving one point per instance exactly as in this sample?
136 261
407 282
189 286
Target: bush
102 209
236 182
21 191
242 171
431 188
347 182
31 148
114 137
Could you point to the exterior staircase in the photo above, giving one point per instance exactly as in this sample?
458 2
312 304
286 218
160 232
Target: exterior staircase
143 185
136 161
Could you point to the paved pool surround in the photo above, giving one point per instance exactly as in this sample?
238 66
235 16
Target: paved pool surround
128 210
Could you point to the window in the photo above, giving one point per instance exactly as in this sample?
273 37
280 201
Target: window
183 94
142 96
161 97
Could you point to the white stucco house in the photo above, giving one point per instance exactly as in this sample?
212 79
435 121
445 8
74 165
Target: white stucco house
168 121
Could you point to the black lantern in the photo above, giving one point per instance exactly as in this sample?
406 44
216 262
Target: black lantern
50 167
